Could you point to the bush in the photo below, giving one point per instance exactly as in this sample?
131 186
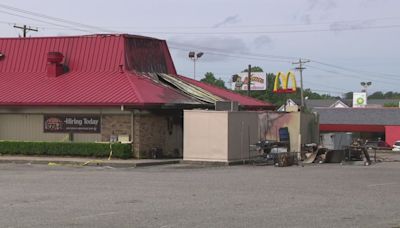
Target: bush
123 151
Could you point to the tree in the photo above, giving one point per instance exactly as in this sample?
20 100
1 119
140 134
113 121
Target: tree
348 95
377 95
210 79
254 69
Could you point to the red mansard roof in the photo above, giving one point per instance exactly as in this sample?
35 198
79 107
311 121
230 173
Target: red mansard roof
99 70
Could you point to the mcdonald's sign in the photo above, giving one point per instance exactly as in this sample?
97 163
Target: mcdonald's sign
281 84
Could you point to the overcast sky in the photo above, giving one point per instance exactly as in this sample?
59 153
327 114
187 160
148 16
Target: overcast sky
347 41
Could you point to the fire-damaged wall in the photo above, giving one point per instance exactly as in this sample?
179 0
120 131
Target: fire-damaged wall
158 135
114 125
148 55
303 127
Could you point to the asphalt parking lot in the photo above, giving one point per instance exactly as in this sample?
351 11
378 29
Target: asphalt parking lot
324 195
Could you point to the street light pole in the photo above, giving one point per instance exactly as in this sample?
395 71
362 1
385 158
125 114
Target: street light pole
365 85
195 56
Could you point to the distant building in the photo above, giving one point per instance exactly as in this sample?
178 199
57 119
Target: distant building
372 122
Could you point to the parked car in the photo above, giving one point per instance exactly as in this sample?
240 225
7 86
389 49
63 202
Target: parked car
378 145
396 146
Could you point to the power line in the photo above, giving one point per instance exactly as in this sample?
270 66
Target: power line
50 17
237 56
338 74
353 70
272 32
252 26
360 75
95 28
227 52
39 20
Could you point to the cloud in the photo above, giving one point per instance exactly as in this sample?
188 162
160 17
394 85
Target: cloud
322 5
316 10
306 18
227 21
262 41
215 48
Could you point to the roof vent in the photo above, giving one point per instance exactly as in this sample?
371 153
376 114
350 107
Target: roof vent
54 57
1 55
54 66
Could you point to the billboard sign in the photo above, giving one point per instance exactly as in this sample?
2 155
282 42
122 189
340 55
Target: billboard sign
72 123
258 81
359 100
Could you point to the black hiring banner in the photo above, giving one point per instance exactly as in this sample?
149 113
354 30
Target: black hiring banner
72 123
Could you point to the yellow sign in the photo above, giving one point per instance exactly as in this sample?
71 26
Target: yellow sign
281 84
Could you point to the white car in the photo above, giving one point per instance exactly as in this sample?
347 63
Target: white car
396 146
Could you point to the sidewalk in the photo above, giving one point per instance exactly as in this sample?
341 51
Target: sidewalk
388 156
79 161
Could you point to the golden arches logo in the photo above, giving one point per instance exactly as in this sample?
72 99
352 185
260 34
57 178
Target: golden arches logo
281 84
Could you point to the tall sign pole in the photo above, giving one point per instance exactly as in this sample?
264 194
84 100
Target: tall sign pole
301 68
249 80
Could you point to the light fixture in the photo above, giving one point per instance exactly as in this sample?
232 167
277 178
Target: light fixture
365 85
194 56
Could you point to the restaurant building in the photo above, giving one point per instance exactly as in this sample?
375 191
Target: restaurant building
100 88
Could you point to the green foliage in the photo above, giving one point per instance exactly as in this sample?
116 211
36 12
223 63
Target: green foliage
391 104
210 79
65 149
348 95
387 95
254 69
377 95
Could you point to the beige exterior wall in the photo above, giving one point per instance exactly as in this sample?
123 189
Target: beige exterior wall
26 123
156 129
26 127
242 132
221 136
205 135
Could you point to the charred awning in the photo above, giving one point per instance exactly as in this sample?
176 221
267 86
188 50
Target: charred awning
190 89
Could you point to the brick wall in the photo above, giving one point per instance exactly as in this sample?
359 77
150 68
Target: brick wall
115 125
150 130
157 131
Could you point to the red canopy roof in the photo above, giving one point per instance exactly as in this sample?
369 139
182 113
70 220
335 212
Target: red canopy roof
99 70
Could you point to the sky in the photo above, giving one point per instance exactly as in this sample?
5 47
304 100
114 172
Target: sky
346 41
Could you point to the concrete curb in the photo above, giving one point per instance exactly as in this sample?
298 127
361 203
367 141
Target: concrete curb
89 162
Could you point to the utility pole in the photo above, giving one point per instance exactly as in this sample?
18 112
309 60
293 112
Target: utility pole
25 29
249 80
301 68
